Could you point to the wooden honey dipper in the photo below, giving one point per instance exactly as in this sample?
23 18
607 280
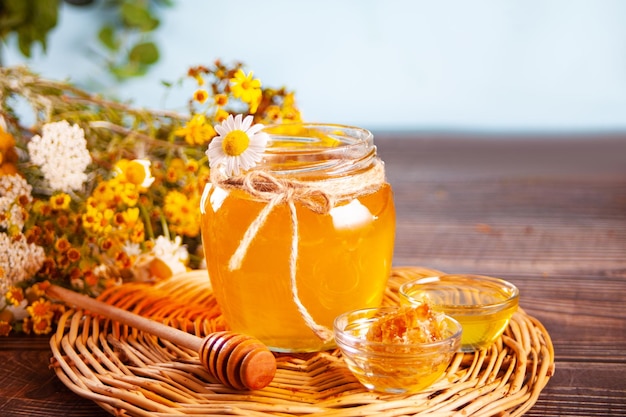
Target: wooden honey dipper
236 360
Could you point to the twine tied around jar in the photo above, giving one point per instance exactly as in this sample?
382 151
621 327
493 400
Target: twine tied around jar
318 196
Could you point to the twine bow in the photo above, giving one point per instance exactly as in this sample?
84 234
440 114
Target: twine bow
318 196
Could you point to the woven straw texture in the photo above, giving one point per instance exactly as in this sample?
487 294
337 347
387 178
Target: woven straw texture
131 373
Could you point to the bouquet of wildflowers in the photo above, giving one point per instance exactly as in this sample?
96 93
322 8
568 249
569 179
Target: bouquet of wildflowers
95 192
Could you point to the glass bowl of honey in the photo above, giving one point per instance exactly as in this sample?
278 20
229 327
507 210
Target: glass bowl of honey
483 305
397 349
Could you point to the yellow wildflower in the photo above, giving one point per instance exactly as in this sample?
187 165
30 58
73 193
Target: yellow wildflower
197 131
122 260
8 155
171 175
176 205
107 243
41 309
290 112
221 115
175 170
257 96
273 113
196 72
130 217
129 194
62 244
138 233
245 87
39 289
42 326
41 207
192 166
27 325
73 255
102 194
200 95
182 213
93 220
220 100
63 221
90 278
60 201
14 295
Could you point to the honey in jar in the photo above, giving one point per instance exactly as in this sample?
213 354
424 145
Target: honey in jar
319 228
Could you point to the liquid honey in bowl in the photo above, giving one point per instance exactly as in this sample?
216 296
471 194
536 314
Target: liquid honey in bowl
483 305
343 253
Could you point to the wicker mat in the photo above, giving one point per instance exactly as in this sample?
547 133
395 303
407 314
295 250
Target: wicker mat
130 373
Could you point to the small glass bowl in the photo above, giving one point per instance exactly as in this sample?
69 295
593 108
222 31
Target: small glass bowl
388 367
483 305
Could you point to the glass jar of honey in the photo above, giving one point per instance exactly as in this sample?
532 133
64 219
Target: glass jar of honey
302 237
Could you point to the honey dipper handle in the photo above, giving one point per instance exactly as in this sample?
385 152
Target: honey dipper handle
178 337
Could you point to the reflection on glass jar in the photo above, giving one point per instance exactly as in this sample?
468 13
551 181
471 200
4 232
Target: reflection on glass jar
308 235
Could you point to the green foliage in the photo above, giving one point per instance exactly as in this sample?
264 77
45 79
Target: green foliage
107 37
127 37
136 15
125 33
30 20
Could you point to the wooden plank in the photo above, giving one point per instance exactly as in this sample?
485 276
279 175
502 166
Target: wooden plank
584 389
28 388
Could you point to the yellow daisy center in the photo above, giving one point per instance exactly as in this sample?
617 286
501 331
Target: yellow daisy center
235 143
135 173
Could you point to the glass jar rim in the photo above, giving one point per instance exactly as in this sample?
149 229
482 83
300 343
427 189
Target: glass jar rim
314 148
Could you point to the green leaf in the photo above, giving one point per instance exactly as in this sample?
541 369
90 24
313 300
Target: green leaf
45 14
24 41
31 20
145 53
13 13
136 16
127 71
107 37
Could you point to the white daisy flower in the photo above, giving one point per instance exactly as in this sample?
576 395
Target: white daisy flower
165 248
239 145
136 172
167 258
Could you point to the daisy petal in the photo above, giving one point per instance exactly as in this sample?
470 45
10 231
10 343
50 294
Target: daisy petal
247 122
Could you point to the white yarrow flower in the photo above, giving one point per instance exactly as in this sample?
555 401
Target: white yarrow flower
239 145
19 260
14 192
61 153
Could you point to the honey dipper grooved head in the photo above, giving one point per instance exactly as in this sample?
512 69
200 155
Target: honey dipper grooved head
258 368
238 361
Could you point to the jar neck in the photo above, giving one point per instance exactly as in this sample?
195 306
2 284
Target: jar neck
310 151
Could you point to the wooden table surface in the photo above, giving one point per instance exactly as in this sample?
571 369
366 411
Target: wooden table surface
548 214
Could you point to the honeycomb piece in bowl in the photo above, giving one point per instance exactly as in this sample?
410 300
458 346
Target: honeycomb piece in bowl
408 325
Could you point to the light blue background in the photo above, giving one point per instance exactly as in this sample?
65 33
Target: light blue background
490 65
